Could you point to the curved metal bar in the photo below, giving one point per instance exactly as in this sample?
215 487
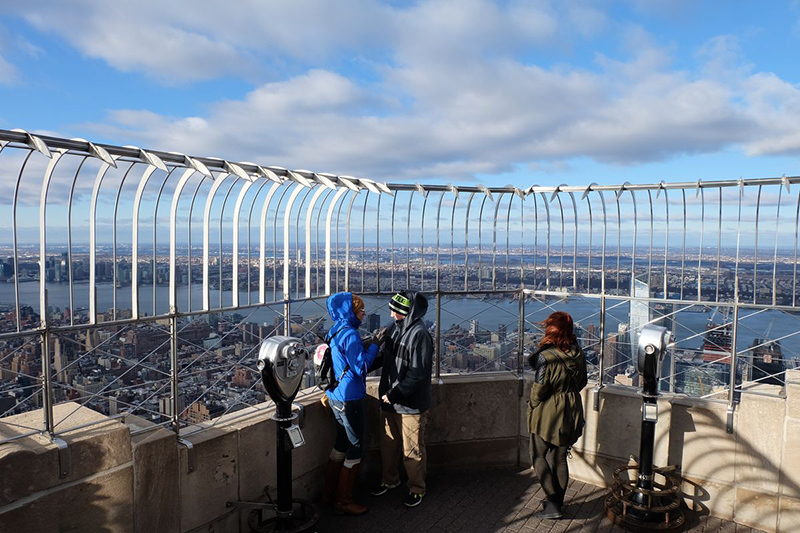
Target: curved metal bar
173 238
155 237
137 201
666 240
719 244
316 254
438 220
652 226
561 267
275 245
286 227
452 243
92 242
237 210
422 242
619 239
44 313
535 236
683 252
363 239
394 205
249 237
508 234
309 214
189 239
775 253
796 235
591 235
408 242
466 243
494 241
69 241
297 241
574 244
338 219
547 252
347 244
605 232
220 178
702 231
738 241
755 248
635 236
114 243
221 219
262 263
378 245
480 241
341 192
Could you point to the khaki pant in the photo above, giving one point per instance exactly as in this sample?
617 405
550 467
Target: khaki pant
404 433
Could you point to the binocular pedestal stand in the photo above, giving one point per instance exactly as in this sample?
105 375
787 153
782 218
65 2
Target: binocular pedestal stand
282 362
652 501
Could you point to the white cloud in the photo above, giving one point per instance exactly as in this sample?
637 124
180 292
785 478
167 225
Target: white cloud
9 74
453 91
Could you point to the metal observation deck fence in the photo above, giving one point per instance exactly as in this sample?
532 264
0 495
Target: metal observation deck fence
141 282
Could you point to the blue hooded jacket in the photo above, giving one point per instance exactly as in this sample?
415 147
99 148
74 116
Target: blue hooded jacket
348 349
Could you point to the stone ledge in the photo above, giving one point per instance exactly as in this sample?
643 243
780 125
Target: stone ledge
31 464
102 502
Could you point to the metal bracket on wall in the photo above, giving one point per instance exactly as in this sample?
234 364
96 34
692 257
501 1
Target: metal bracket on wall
191 457
596 401
729 424
301 414
63 457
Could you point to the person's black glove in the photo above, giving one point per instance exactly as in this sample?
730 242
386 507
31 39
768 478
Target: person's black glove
380 336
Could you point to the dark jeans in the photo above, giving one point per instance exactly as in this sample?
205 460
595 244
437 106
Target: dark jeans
553 474
349 427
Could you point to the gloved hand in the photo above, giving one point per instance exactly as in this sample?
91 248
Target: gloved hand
380 336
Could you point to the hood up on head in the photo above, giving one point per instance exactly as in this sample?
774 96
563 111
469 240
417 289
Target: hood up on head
340 309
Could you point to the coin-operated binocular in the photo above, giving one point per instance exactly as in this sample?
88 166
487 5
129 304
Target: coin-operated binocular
282 362
651 501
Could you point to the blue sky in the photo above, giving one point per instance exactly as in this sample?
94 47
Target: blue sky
434 91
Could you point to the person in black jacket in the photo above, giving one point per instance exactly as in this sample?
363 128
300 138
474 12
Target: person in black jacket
405 392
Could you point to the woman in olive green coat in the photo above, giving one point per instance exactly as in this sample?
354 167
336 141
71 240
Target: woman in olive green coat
555 410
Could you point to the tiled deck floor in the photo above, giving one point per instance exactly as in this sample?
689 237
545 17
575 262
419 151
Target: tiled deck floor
489 500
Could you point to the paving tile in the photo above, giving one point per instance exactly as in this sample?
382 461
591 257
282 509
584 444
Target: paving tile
489 500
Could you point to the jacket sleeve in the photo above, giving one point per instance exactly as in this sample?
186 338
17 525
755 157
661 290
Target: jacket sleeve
357 356
540 390
419 370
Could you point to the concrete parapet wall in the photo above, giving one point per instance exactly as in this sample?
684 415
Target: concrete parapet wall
751 476
96 494
143 483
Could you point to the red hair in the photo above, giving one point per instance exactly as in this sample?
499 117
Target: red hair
558 331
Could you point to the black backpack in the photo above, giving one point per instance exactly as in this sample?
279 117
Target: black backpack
324 375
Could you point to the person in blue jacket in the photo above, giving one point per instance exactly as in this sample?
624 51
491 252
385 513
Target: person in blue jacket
351 362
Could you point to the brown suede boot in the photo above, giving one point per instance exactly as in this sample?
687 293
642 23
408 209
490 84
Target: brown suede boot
344 494
331 481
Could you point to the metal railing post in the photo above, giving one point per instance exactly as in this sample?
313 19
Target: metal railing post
174 392
601 362
438 349
521 343
734 363
47 371
287 315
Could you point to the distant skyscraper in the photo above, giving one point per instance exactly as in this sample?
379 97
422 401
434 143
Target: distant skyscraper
473 327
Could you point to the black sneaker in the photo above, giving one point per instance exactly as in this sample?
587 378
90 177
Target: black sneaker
413 499
383 488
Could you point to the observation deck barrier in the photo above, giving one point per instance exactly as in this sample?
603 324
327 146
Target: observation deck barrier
151 276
